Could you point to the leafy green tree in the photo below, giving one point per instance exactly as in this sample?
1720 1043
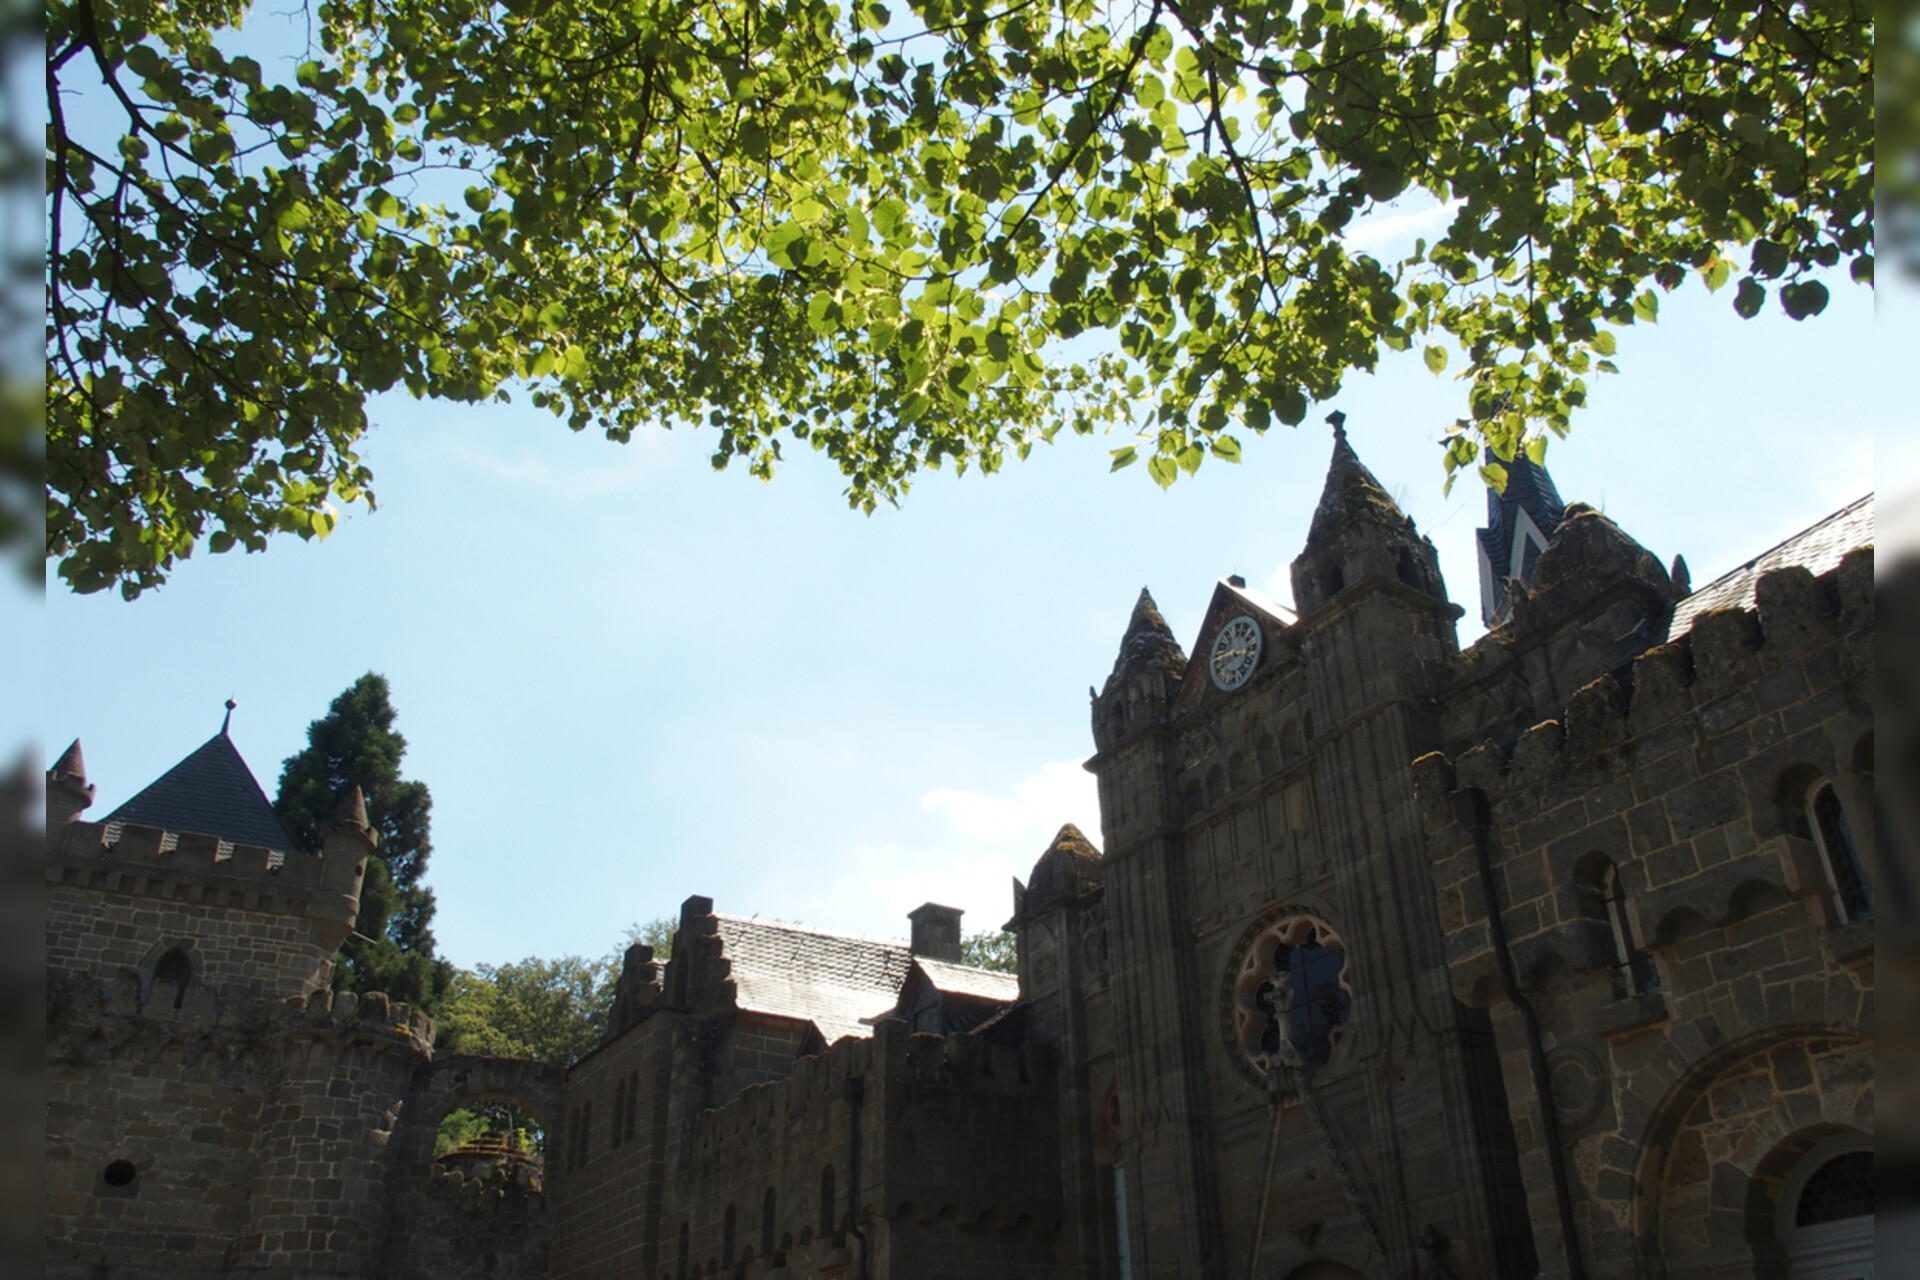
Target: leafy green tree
554 1010
550 1009
993 949
356 745
889 236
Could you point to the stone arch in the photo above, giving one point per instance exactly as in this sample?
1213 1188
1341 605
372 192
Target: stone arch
1266 754
460 1078
1729 1128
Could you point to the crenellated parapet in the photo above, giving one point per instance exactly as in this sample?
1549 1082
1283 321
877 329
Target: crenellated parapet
127 1006
1685 780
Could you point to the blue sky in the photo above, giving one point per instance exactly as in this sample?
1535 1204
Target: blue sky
627 678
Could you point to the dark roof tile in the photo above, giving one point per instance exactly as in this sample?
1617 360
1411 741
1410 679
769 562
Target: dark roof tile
211 793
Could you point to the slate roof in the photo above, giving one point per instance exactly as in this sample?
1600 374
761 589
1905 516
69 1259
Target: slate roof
1819 548
1530 489
832 980
964 980
211 793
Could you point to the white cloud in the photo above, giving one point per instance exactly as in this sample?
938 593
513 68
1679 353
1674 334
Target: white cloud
969 863
1377 231
1061 792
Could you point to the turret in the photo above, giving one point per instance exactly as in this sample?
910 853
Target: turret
345 841
68 791
1068 873
1358 531
1145 676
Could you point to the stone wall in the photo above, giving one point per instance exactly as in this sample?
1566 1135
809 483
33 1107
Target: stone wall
958 1167
1678 1079
253 923
190 1142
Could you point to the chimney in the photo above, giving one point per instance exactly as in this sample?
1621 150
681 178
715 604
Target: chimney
936 932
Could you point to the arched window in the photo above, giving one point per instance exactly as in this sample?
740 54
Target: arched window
1216 785
1638 975
1844 871
173 973
633 1104
1236 771
728 1236
826 1201
1266 755
685 1241
1826 1211
767 1208
619 1114
586 1135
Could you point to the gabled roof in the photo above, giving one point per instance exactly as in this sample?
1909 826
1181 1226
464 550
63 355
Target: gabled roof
1231 597
968 982
1818 548
832 980
211 793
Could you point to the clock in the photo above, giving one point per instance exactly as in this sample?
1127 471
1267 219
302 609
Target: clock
1236 652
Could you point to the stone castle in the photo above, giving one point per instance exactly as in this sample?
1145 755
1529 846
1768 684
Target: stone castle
1552 956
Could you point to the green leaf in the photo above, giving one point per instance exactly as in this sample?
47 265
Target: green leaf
1225 448
1436 358
1646 307
1749 297
1124 457
1803 298
1163 470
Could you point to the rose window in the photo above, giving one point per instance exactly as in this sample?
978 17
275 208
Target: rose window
1291 986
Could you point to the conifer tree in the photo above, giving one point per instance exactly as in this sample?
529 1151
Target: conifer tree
355 744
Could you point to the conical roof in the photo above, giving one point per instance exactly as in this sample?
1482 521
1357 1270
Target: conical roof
211 792
71 764
1351 496
1147 644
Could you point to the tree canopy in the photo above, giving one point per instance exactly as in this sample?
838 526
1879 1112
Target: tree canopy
908 239
356 745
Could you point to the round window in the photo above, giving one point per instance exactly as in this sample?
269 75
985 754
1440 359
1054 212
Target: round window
1287 994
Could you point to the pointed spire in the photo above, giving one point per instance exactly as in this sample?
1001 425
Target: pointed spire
350 816
68 791
1522 517
353 809
1145 674
71 764
1148 643
1351 494
1357 531
226 721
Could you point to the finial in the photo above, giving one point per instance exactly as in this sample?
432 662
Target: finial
1339 421
228 720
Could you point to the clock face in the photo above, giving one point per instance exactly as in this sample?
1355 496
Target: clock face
1236 652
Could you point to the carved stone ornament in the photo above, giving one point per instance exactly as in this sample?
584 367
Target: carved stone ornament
1288 978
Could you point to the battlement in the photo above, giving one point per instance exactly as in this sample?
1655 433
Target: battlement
120 856
1724 654
203 1008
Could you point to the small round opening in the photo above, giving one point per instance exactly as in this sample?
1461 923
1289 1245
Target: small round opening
119 1173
